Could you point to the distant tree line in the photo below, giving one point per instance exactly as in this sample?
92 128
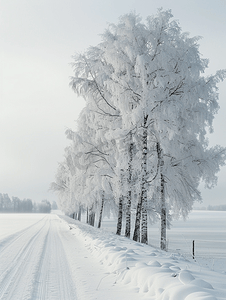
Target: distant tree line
212 207
217 207
16 205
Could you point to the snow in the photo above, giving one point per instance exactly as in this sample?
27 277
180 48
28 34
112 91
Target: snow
33 263
55 257
11 223
206 228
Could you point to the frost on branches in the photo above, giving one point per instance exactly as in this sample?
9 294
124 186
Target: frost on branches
140 150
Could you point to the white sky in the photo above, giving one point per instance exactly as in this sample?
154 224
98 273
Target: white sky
37 40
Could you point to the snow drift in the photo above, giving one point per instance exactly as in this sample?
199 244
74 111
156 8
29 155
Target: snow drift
156 274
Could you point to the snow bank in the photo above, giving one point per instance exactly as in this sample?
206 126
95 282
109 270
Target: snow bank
156 274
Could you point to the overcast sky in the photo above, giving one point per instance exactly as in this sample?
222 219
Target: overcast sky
37 40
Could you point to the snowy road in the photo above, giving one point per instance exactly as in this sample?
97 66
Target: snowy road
50 257
33 263
41 258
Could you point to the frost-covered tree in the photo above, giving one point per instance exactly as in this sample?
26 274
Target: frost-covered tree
142 135
89 161
104 120
44 207
159 87
5 203
15 205
98 159
61 186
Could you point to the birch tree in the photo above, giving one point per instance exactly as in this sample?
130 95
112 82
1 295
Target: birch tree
148 109
92 75
171 103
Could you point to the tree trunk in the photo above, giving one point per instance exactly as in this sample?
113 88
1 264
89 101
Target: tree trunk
74 216
92 218
144 219
129 196
163 216
79 213
120 209
128 215
87 215
101 210
136 233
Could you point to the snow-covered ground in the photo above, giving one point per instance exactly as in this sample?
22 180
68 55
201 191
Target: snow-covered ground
206 228
55 257
33 264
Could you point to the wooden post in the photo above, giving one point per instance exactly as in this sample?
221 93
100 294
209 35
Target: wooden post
193 249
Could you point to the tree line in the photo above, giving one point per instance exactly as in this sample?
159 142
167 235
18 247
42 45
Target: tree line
221 207
16 205
217 207
140 148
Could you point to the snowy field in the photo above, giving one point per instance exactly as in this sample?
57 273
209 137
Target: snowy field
55 257
206 228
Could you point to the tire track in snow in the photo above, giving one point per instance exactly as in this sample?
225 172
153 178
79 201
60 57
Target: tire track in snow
53 277
8 241
18 260
40 289
33 264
